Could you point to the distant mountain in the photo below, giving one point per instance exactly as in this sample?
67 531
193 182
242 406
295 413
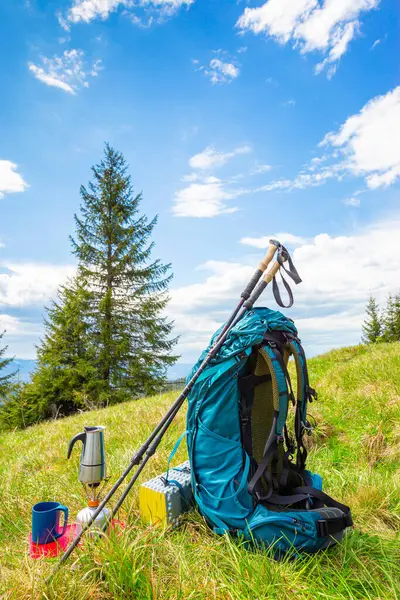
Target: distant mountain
179 371
26 367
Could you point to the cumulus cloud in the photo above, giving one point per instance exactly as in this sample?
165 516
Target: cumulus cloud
25 288
88 10
369 141
21 336
210 158
68 72
222 68
327 26
207 195
206 198
338 273
219 71
367 145
10 180
29 284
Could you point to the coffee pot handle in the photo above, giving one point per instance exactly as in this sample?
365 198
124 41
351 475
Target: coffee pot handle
78 437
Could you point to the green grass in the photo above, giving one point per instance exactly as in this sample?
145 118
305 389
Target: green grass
356 449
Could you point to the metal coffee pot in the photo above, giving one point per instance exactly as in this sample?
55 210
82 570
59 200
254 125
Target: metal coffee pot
93 463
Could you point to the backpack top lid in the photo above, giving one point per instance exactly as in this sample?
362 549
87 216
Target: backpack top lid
248 332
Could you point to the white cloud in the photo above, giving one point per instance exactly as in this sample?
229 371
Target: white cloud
353 201
21 336
222 68
205 199
326 26
289 103
370 141
28 284
304 179
206 195
375 44
10 180
209 158
338 272
88 10
67 72
220 71
367 145
284 238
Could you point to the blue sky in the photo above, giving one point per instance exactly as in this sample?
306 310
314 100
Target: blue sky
240 120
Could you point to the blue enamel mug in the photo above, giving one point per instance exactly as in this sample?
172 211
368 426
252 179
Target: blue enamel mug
46 522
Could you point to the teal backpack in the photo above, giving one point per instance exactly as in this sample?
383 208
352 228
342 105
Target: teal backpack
248 460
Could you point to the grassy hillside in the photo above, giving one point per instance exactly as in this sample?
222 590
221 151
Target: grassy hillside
356 449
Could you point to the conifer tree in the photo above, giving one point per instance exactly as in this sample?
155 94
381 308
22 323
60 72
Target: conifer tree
106 337
5 380
372 327
391 321
128 329
65 377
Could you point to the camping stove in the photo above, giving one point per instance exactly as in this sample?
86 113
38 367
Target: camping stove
92 475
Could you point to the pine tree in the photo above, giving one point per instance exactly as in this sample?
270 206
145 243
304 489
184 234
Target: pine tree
128 289
372 327
65 377
391 321
5 380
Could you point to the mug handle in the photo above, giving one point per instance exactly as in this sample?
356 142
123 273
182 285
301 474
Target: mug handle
64 509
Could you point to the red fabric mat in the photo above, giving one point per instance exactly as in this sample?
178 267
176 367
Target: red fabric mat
60 544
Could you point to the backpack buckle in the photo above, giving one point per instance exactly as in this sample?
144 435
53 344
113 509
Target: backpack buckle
305 426
322 528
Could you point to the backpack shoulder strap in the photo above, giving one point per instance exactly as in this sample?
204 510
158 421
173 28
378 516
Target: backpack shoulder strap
274 360
305 394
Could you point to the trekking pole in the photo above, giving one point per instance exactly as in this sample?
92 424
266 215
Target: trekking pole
248 303
262 267
142 456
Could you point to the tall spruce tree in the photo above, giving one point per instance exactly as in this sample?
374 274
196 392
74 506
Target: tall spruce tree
5 380
391 320
129 290
372 326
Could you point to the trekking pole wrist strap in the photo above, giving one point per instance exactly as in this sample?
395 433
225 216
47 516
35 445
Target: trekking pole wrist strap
273 245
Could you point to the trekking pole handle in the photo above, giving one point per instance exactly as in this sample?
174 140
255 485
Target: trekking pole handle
268 277
273 245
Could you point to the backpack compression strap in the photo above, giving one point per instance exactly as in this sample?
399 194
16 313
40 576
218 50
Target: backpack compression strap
325 527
